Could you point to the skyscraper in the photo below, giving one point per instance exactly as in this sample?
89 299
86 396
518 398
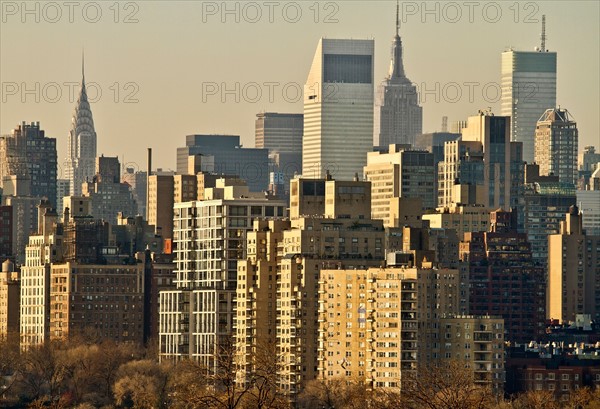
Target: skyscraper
28 163
282 135
338 109
398 116
81 149
528 89
484 156
556 142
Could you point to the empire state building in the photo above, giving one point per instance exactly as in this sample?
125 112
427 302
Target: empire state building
81 152
398 116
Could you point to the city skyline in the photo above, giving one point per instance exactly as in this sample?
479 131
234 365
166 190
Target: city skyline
168 81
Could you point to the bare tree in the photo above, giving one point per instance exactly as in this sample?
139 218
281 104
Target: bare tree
140 385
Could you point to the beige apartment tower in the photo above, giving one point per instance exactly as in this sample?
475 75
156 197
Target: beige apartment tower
573 271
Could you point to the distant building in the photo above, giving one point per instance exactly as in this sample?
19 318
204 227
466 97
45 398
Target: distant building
588 163
434 143
281 134
484 156
398 115
62 190
338 109
546 204
399 172
224 154
556 142
28 164
528 81
81 148
108 195
588 202
137 180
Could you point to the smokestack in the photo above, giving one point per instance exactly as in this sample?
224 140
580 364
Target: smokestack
148 173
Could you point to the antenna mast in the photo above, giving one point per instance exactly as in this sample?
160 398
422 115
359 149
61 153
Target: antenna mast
397 18
543 45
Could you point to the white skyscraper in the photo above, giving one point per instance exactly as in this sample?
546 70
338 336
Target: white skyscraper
81 150
338 109
528 89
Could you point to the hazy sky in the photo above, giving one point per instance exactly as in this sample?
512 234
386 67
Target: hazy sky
164 68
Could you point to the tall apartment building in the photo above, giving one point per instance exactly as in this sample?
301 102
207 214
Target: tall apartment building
256 295
209 236
10 287
379 325
399 172
330 227
573 271
41 252
528 81
556 144
28 157
24 223
503 279
398 115
82 143
224 154
338 109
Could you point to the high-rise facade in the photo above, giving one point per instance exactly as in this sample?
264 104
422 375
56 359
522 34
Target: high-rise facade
197 317
528 82
486 157
81 149
338 109
28 164
398 115
503 279
573 271
556 144
399 172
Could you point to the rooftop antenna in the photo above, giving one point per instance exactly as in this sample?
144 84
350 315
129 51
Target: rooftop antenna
397 18
543 45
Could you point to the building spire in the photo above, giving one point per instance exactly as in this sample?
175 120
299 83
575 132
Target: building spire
82 65
396 66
